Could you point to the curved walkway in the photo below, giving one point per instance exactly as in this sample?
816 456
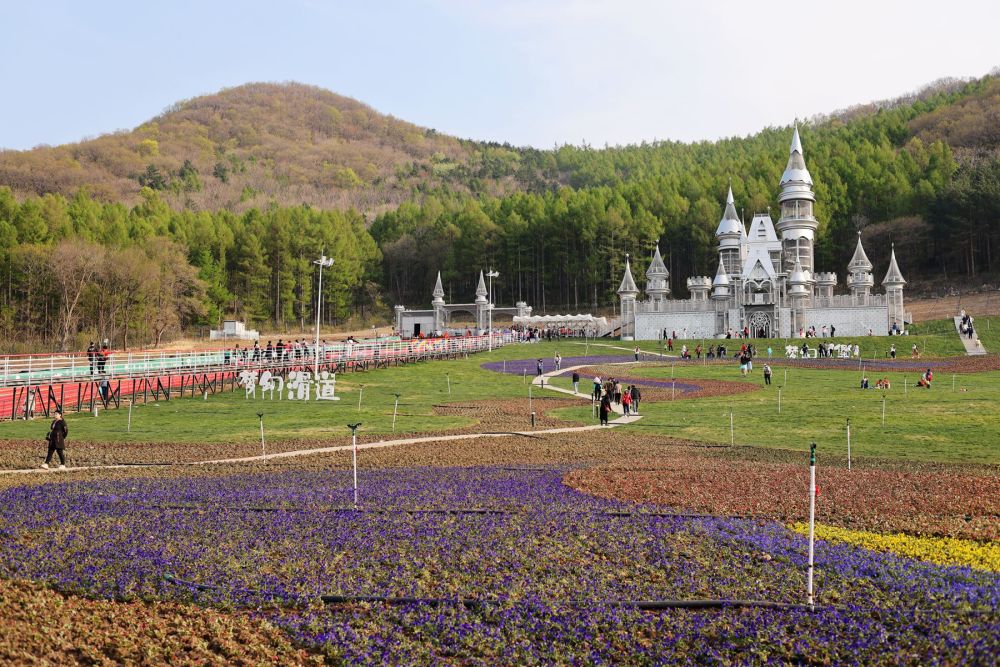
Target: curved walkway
368 445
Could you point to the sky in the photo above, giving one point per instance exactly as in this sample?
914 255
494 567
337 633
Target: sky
538 73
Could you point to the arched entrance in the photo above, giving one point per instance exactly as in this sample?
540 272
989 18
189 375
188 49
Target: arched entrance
759 324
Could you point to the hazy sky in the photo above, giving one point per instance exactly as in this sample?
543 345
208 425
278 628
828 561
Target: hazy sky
528 72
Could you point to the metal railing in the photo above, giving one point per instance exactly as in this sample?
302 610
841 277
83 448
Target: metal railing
27 370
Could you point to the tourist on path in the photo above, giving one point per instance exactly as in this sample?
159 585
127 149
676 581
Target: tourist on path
597 388
626 402
605 410
539 367
636 397
767 374
636 353
57 441
576 382
558 359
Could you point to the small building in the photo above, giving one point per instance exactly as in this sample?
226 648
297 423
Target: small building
233 330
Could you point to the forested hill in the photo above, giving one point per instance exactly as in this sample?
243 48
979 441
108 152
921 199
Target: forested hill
248 146
251 184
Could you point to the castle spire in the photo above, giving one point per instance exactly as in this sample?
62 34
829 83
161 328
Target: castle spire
730 225
893 277
859 262
438 292
628 283
796 171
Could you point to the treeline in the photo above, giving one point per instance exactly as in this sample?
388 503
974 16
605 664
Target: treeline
73 269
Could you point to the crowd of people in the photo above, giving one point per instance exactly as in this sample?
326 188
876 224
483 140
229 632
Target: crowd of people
610 393
967 327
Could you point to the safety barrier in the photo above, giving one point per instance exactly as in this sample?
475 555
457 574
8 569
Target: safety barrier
37 384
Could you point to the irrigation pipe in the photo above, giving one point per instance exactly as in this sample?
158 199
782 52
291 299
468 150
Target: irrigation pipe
643 605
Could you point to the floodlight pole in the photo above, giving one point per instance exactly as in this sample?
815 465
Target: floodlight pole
354 456
321 262
492 274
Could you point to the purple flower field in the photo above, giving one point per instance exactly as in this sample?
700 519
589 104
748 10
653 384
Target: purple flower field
551 562
529 366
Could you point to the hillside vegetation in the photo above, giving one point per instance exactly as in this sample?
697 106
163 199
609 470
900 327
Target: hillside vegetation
230 196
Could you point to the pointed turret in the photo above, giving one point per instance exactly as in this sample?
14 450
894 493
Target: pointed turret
860 261
796 171
628 283
720 286
893 284
859 277
657 286
627 293
481 291
893 277
730 224
438 292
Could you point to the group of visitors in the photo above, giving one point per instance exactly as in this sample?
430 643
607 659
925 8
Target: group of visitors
98 357
812 333
609 393
966 327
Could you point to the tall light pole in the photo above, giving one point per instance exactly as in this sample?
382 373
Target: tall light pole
322 261
491 274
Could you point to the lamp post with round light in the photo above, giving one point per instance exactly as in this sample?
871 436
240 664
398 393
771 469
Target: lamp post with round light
491 274
321 262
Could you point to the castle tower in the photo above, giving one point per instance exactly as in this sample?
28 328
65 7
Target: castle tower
627 293
859 276
699 287
482 306
797 224
437 303
798 295
731 234
657 287
720 296
893 284
825 282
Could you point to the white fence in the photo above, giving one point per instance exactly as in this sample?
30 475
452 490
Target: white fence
23 370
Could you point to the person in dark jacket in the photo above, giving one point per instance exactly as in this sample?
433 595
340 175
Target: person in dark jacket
636 397
57 441
92 356
605 409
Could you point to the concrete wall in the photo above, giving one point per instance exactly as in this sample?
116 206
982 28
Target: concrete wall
426 323
854 321
650 326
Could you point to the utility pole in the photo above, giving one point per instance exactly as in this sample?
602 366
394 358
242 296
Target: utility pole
322 261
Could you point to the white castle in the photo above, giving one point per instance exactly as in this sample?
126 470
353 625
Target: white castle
764 283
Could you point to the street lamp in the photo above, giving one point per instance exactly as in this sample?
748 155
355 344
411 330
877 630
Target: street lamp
322 261
491 274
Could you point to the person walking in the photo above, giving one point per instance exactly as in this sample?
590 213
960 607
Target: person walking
626 402
597 387
558 360
892 351
576 382
636 353
92 356
605 410
636 397
57 441
539 367
767 374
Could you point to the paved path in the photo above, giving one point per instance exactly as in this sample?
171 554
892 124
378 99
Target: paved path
367 445
973 347
539 381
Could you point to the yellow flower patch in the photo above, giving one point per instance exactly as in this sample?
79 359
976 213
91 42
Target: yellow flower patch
939 550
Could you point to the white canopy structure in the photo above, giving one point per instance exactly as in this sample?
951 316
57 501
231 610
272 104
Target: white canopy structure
594 326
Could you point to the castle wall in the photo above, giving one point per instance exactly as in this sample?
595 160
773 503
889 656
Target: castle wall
850 321
650 326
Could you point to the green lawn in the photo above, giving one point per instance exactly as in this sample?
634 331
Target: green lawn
229 417
941 424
